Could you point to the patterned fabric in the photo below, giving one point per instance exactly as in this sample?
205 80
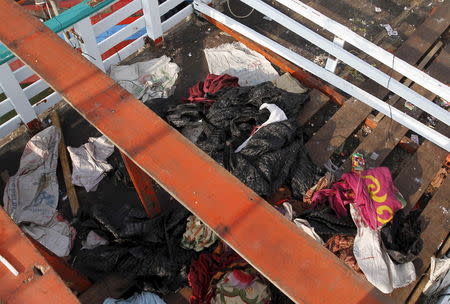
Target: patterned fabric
342 247
372 192
197 236
209 269
241 287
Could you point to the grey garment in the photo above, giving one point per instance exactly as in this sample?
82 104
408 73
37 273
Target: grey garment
138 298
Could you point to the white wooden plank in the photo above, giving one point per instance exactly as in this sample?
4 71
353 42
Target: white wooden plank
177 18
33 89
369 48
15 94
89 46
124 53
372 101
5 107
47 102
332 63
152 18
23 73
121 35
168 5
352 60
9 126
117 16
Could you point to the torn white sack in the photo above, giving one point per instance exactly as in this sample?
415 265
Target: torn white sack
89 162
31 195
375 262
149 79
55 236
237 60
439 276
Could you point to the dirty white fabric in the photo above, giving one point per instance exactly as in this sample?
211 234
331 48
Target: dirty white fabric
31 195
391 32
137 298
149 79
289 84
237 60
55 236
289 211
308 229
93 240
439 276
89 162
276 115
374 261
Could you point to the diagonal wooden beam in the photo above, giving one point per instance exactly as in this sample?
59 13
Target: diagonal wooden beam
294 262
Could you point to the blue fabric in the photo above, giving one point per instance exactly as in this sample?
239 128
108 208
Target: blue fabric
117 28
137 298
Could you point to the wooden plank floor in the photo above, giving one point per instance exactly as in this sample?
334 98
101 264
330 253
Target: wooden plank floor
417 171
333 134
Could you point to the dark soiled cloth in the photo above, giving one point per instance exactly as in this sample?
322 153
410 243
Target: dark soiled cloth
401 236
342 247
274 156
327 224
143 248
212 84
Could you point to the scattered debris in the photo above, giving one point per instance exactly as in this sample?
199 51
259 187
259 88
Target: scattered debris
290 84
391 32
147 80
89 162
409 106
415 138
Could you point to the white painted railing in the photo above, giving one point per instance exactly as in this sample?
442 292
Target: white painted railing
87 34
348 58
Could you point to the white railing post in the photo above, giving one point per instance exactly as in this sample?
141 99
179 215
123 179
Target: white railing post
332 63
17 97
89 45
152 19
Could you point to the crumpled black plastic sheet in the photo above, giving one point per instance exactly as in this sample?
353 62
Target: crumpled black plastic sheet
147 249
401 236
326 223
274 156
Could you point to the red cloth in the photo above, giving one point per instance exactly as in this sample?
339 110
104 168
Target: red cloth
208 270
212 84
372 192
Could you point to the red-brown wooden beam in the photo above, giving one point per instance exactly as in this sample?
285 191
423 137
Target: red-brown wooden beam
144 187
289 258
36 282
73 279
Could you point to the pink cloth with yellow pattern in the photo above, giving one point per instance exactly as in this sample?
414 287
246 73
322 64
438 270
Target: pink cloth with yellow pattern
372 192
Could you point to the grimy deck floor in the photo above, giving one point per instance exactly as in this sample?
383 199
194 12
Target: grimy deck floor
333 132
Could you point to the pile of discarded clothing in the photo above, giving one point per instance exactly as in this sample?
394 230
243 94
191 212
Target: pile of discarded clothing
360 219
251 131
147 250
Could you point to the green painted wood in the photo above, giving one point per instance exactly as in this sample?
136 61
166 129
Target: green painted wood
64 20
